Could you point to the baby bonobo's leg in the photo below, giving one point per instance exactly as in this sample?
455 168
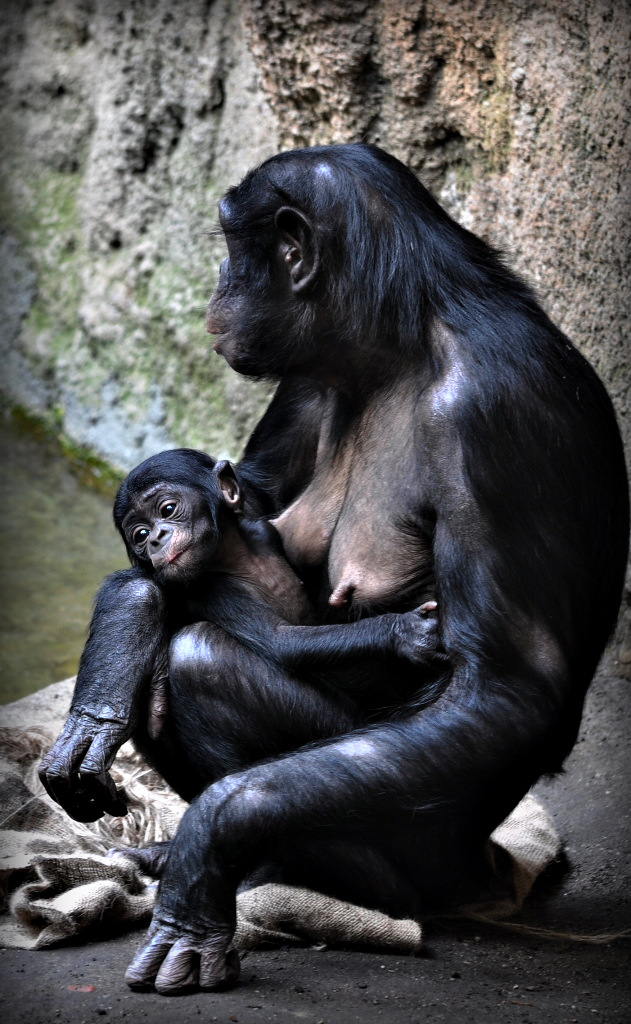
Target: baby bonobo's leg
228 708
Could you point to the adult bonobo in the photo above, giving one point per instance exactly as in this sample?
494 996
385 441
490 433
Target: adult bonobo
433 432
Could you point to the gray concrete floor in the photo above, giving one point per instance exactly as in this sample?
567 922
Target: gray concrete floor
468 972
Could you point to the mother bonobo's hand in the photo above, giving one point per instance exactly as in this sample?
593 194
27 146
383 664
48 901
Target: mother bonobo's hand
75 771
416 635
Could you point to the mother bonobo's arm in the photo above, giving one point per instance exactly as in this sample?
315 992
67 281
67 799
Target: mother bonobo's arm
516 459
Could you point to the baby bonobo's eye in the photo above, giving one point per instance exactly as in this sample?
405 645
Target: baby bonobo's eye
139 536
167 508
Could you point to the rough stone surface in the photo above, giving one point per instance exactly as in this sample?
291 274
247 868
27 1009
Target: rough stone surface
124 121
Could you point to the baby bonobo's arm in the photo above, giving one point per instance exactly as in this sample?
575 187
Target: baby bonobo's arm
411 635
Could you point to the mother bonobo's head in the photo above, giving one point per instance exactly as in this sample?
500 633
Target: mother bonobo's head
331 250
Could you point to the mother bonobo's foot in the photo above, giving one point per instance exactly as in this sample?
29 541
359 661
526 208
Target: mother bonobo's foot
177 960
188 945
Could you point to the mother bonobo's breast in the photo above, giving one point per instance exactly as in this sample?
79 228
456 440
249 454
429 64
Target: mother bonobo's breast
362 518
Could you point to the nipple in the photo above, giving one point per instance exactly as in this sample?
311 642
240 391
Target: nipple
342 595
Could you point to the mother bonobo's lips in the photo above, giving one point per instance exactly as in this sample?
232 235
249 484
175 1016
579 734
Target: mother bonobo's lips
215 325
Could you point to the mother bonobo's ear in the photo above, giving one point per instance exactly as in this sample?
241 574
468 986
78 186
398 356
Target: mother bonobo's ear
227 480
297 248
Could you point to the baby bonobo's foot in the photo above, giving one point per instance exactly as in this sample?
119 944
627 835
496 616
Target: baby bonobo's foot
416 635
150 859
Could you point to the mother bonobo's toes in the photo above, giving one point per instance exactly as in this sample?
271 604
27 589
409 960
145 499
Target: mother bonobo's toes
218 970
143 970
175 964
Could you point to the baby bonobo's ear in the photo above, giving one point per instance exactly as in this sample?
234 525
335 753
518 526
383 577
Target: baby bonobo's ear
227 480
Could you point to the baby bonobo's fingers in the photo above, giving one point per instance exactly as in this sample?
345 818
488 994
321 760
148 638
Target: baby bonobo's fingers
427 608
101 790
158 707
74 772
416 634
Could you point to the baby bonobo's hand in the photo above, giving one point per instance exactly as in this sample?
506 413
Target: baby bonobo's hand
416 635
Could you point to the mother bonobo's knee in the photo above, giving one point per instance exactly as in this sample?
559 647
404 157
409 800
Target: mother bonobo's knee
463 450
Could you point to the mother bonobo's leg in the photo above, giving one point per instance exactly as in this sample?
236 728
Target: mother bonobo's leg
462 422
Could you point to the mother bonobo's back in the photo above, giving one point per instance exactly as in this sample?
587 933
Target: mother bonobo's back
461 433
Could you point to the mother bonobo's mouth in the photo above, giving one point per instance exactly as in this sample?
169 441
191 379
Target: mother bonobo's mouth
222 320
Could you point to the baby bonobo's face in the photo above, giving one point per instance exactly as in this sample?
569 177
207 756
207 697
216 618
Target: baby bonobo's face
169 526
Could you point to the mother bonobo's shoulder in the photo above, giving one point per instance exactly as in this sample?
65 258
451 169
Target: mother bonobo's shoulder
441 403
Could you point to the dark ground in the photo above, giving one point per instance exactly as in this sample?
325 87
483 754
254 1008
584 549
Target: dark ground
469 972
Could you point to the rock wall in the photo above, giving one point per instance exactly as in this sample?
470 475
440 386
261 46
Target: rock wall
124 120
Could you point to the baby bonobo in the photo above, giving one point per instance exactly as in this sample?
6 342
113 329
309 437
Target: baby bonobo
182 516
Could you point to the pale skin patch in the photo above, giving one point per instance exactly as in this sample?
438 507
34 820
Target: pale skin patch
356 747
448 389
371 563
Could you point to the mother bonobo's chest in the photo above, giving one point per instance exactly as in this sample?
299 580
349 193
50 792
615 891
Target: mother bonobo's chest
361 518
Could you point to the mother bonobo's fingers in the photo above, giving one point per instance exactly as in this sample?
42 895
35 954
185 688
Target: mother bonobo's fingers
218 968
143 970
